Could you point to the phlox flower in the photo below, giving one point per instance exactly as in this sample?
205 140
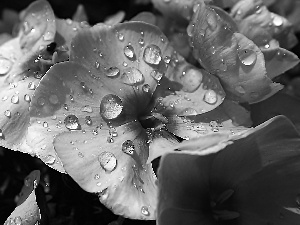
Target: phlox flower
252 178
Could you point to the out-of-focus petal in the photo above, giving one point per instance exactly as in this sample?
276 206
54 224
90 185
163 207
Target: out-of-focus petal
127 58
27 210
187 90
161 142
183 189
114 166
236 60
115 19
229 118
257 23
14 112
146 17
4 38
278 61
80 14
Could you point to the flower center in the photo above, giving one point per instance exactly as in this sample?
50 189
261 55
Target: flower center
154 121
219 204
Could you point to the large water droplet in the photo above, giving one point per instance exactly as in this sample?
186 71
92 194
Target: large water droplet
50 159
132 76
210 97
145 211
128 147
129 52
72 123
190 29
247 56
27 98
112 72
5 66
15 99
152 54
108 161
156 75
111 107
277 20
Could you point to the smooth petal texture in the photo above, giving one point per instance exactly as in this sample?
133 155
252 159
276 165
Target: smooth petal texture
278 61
112 166
187 90
127 58
14 113
115 19
38 27
236 60
161 142
183 185
229 118
80 14
257 23
27 212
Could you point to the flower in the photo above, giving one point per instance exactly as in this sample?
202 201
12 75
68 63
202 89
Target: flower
252 178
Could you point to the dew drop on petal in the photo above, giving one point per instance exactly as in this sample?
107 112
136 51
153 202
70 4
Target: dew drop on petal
97 65
247 56
7 113
190 29
141 41
50 159
107 161
146 88
45 124
48 36
111 107
132 76
15 99
156 75
129 52
210 97
72 123
277 21
5 66
189 112
121 37
145 211
1 134
88 120
87 108
152 54
128 147
31 86
97 177
27 98
112 72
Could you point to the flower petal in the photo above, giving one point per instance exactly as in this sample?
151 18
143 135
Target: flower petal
263 24
236 60
112 166
14 113
279 60
38 27
161 142
183 188
27 208
115 18
219 120
187 90
80 14
126 57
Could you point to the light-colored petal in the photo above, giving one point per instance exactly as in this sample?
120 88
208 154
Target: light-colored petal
235 59
80 14
114 166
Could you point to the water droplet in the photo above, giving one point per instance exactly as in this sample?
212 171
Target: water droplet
1 134
167 59
267 46
129 52
128 147
97 177
31 86
141 41
45 124
88 120
110 140
210 97
27 98
146 88
15 99
87 108
108 161
113 132
190 29
113 72
145 211
72 123
50 159
277 20
189 112
7 113
111 107
156 75
66 107
247 56
97 65
4 98
18 220
132 76
53 99
5 66
152 54
80 154
121 37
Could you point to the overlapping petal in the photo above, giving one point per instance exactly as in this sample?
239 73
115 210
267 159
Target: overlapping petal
231 184
27 210
236 60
